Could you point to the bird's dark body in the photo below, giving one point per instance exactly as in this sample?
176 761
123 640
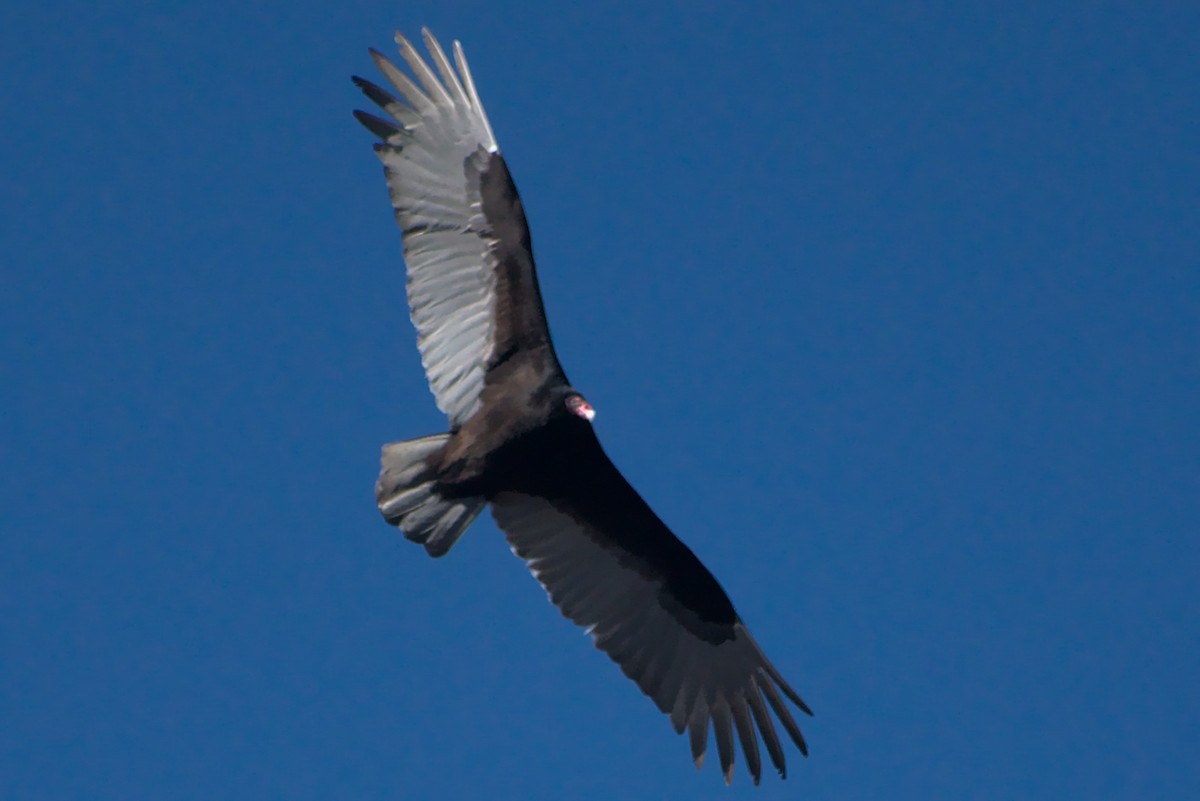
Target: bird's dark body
555 455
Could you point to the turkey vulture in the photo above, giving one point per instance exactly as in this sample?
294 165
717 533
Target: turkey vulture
521 436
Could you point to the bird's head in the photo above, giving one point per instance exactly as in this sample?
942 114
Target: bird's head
577 405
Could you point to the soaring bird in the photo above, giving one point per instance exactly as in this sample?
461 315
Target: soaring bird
521 438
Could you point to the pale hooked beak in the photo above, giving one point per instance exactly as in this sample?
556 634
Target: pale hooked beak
585 410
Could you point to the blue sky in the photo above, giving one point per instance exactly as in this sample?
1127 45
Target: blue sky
891 311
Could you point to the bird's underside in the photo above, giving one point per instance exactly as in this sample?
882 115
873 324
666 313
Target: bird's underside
521 437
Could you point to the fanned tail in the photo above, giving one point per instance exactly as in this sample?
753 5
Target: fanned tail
408 499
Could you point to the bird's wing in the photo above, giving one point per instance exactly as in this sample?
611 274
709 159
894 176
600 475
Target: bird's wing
611 566
472 290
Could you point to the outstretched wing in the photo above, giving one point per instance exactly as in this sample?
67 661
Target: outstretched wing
472 290
611 566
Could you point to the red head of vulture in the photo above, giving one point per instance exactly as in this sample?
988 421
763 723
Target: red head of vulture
521 437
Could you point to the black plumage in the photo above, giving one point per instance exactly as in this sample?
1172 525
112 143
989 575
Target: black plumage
521 437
